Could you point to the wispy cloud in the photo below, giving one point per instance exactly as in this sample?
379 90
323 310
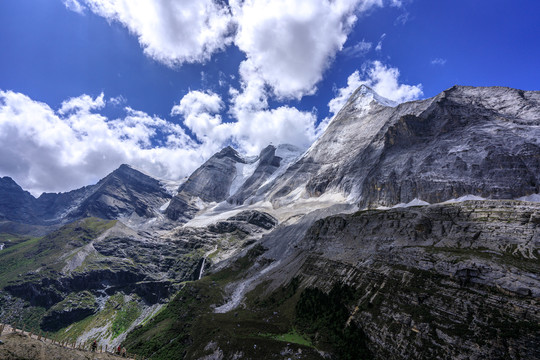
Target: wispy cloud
117 100
438 61
379 44
74 5
402 19
358 50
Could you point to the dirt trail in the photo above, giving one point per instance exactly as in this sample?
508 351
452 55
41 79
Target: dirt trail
17 346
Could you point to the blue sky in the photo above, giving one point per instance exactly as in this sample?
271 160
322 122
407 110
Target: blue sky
87 85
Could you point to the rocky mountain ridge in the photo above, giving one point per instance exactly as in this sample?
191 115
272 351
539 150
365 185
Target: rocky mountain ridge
466 140
123 192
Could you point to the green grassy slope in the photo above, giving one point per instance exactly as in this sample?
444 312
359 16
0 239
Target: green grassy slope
31 254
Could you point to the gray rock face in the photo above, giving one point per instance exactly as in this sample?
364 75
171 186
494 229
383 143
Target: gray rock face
221 178
15 203
76 265
268 164
210 183
249 221
481 141
448 281
257 218
123 192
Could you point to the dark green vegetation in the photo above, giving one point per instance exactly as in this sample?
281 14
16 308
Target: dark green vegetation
170 334
287 321
121 310
9 239
124 318
325 317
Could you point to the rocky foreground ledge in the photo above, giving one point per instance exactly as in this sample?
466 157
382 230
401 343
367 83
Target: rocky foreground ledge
17 346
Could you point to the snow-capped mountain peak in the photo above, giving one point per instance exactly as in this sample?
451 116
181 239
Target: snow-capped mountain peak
364 96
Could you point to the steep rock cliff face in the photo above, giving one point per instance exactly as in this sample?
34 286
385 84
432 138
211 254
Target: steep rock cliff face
209 183
227 176
268 163
452 281
481 141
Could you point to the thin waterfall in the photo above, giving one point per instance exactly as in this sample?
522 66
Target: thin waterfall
202 267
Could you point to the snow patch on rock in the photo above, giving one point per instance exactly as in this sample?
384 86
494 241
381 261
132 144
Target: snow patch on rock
241 290
171 186
414 202
530 198
243 172
163 207
288 154
464 198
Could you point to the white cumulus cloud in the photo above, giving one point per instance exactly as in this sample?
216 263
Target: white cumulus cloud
200 111
253 128
48 150
170 31
385 81
83 103
284 125
289 43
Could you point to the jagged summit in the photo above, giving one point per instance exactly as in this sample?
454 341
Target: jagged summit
128 173
7 181
252 179
230 153
227 176
123 192
16 204
125 168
